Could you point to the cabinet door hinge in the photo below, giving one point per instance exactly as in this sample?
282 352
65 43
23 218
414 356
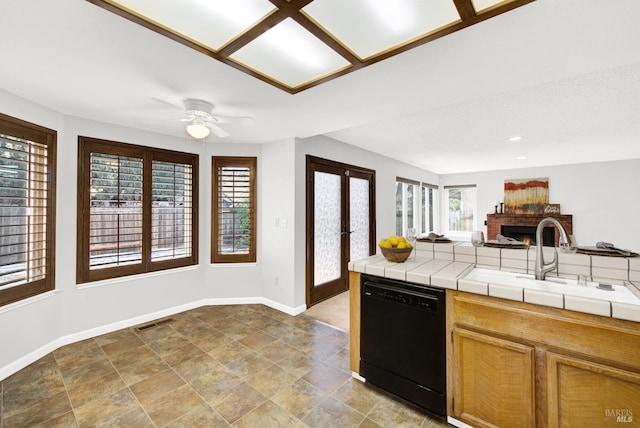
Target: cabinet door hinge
453 405
451 336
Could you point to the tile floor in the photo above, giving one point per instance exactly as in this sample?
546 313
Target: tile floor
215 366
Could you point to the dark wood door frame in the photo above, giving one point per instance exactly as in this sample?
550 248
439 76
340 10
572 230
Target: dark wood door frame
345 171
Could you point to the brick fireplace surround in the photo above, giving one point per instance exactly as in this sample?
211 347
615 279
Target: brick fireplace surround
496 221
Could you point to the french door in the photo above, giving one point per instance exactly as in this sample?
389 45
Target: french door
340 224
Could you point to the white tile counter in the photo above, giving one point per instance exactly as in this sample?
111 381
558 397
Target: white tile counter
445 266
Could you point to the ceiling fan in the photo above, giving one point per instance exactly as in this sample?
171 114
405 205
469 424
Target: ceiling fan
202 120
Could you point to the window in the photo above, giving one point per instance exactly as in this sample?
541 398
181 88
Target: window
460 211
429 208
234 210
137 209
416 206
27 209
405 204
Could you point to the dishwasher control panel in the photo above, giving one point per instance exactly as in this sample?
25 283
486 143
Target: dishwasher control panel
401 296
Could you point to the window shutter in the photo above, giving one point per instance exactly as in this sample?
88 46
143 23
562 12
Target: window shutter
115 223
23 207
171 210
234 210
27 196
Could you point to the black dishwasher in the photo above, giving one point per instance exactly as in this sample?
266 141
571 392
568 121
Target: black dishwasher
402 340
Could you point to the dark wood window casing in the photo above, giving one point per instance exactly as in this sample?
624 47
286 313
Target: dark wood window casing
137 209
27 209
233 209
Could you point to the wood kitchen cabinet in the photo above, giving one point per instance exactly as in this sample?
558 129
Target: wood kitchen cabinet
583 393
495 380
514 364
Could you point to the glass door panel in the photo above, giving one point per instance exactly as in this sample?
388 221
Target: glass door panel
359 243
327 247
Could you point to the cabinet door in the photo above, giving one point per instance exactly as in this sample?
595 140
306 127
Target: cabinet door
582 394
494 381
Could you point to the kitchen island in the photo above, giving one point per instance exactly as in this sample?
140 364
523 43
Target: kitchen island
518 358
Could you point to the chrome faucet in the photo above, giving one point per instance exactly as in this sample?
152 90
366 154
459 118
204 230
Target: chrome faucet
542 268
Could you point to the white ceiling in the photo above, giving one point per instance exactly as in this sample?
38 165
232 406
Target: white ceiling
563 74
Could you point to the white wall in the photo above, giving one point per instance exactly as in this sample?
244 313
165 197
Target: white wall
602 197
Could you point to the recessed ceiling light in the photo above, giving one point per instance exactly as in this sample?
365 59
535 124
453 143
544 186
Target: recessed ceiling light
515 138
521 157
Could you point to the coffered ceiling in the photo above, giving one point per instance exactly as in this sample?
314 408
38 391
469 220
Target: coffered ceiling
297 44
562 74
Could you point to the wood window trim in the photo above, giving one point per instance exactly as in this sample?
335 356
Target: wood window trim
241 161
36 133
86 145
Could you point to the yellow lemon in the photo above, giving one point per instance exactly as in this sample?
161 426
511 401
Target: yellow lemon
402 244
409 245
393 240
385 243
402 239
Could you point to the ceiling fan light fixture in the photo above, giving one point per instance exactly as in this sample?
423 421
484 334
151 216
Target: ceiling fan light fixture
198 130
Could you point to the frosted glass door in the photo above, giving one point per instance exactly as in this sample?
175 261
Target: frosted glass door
327 226
358 218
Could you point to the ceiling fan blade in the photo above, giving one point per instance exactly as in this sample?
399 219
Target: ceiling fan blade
238 120
218 131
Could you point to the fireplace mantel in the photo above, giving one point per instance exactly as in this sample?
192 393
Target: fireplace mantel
496 221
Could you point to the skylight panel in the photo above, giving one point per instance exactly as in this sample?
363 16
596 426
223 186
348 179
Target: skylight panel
370 27
290 54
210 23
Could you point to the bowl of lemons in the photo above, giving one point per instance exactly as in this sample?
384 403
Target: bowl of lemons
395 248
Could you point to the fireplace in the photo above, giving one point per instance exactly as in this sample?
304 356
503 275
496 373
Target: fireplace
527 234
522 226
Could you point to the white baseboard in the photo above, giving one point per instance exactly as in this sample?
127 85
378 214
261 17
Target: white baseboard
36 354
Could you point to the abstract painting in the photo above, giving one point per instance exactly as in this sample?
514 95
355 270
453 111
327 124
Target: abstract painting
526 196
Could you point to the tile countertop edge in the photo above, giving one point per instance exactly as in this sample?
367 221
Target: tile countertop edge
456 281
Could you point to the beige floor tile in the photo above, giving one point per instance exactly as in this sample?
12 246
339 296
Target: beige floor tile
249 364
37 412
131 356
332 413
257 340
327 377
239 401
215 385
299 398
269 415
108 408
271 380
391 413
197 367
229 352
186 353
173 405
359 395
123 345
143 369
202 416
82 393
157 386
87 373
